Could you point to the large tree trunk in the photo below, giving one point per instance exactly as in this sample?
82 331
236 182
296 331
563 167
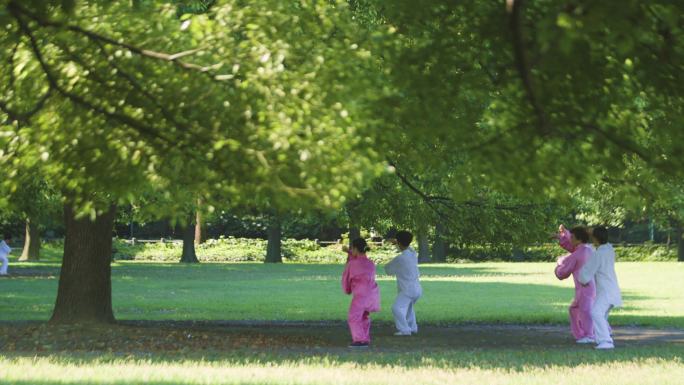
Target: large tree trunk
679 236
423 246
439 248
189 255
273 247
85 287
31 250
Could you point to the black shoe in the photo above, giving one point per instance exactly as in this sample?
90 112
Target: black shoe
359 345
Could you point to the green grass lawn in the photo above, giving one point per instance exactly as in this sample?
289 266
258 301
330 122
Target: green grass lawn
485 292
460 293
457 367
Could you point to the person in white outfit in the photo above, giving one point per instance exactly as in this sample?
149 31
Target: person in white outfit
405 267
601 268
5 250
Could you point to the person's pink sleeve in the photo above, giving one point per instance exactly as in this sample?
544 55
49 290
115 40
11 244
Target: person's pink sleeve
346 280
565 267
564 241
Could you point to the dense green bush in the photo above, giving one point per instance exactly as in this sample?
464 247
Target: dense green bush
308 251
243 250
549 252
646 253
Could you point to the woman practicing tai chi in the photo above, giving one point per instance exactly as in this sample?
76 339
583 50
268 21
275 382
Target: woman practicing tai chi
576 241
405 267
601 269
358 279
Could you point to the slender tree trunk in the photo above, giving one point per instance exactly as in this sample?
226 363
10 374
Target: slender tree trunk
199 238
679 234
439 248
354 228
85 287
31 250
198 228
668 242
189 255
423 246
273 247
354 232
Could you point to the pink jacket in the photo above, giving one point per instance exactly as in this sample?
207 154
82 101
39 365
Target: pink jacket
359 279
572 264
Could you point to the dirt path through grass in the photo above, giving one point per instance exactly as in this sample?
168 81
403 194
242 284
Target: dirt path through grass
314 337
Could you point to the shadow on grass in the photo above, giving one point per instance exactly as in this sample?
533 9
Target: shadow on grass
517 360
52 267
458 270
34 269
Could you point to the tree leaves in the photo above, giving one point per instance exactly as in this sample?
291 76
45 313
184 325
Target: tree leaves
194 7
149 108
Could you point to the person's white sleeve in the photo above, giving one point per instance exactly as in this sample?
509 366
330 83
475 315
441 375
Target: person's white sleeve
588 271
391 267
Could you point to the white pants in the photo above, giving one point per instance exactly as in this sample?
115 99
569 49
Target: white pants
5 262
404 314
599 316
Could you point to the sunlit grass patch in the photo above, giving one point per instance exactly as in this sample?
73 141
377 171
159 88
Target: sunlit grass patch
54 370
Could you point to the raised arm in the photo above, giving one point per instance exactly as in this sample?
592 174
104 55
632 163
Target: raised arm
566 265
391 267
564 239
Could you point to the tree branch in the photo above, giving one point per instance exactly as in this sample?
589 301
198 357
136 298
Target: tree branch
134 83
78 100
11 64
522 63
453 205
173 58
25 117
426 198
624 143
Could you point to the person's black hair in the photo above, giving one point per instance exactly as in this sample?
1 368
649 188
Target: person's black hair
7 236
600 233
360 245
581 233
404 238
391 233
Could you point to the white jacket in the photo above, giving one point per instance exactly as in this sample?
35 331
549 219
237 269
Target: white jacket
405 267
601 267
4 249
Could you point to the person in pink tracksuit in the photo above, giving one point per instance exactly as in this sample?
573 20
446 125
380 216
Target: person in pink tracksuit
358 279
576 242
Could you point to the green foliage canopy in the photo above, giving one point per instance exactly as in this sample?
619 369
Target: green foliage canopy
243 102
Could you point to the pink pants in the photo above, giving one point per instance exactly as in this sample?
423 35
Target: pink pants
359 324
581 323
